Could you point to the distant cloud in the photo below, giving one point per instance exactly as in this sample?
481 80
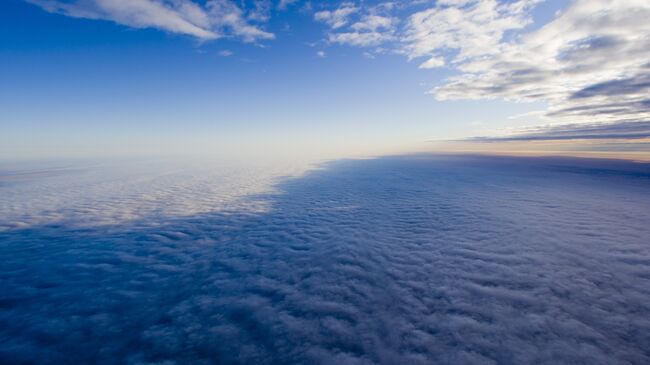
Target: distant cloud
225 53
206 21
321 54
284 4
433 62
630 130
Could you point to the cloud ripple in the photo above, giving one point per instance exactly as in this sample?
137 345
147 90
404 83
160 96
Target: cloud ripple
414 260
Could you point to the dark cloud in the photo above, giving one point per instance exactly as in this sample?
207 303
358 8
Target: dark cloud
405 260
581 131
636 85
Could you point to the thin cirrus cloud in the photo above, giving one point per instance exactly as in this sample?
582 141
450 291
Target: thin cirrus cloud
337 18
373 26
630 130
212 20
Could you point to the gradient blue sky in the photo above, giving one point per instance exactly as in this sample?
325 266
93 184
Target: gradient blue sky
75 85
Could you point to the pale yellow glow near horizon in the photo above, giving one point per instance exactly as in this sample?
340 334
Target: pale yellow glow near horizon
610 149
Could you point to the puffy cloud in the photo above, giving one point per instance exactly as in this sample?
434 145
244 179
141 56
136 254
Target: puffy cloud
403 260
213 19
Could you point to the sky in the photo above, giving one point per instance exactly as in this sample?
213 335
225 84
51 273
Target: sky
149 77
117 248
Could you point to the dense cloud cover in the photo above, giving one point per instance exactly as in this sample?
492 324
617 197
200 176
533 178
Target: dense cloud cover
411 260
142 191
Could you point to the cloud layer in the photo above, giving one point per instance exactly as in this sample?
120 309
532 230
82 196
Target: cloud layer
580 131
409 260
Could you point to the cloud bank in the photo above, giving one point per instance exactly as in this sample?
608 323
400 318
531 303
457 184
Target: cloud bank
406 260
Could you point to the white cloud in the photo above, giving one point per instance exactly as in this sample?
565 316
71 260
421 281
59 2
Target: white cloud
373 23
370 28
473 28
362 39
336 18
227 15
214 19
433 62
321 54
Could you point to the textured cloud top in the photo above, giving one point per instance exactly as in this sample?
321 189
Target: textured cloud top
141 191
414 260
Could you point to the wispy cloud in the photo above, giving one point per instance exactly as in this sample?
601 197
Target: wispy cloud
284 4
338 17
630 130
206 21
370 26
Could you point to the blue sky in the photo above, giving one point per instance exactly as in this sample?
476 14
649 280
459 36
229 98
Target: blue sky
97 78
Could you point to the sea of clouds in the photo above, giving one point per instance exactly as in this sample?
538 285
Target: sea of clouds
396 260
